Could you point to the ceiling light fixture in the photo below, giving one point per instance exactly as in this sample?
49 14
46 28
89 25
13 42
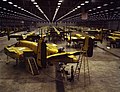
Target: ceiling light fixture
4 9
101 11
40 10
72 16
99 7
46 17
22 9
82 4
10 2
105 4
15 5
118 8
89 10
59 3
106 10
111 2
78 6
35 3
94 8
111 9
86 2
32 0
19 7
72 10
4 0
57 8
115 11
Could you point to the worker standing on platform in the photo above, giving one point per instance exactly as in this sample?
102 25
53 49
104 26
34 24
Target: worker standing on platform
43 54
72 73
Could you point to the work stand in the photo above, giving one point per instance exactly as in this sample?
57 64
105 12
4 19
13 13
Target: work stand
83 65
73 71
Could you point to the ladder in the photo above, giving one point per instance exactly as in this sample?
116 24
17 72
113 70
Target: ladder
32 66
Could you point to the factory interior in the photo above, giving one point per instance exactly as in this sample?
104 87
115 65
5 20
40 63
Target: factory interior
60 45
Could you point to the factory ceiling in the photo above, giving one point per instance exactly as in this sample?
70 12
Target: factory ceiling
61 10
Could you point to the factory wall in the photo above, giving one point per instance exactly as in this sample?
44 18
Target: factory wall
114 25
108 24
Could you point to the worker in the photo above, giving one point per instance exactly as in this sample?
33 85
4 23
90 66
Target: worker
43 55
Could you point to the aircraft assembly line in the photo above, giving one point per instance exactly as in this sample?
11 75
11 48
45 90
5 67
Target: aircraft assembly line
69 64
59 45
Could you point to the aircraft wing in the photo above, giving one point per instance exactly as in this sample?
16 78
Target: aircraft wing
24 36
63 57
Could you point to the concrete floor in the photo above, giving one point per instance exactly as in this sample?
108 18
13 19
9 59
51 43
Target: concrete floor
104 71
